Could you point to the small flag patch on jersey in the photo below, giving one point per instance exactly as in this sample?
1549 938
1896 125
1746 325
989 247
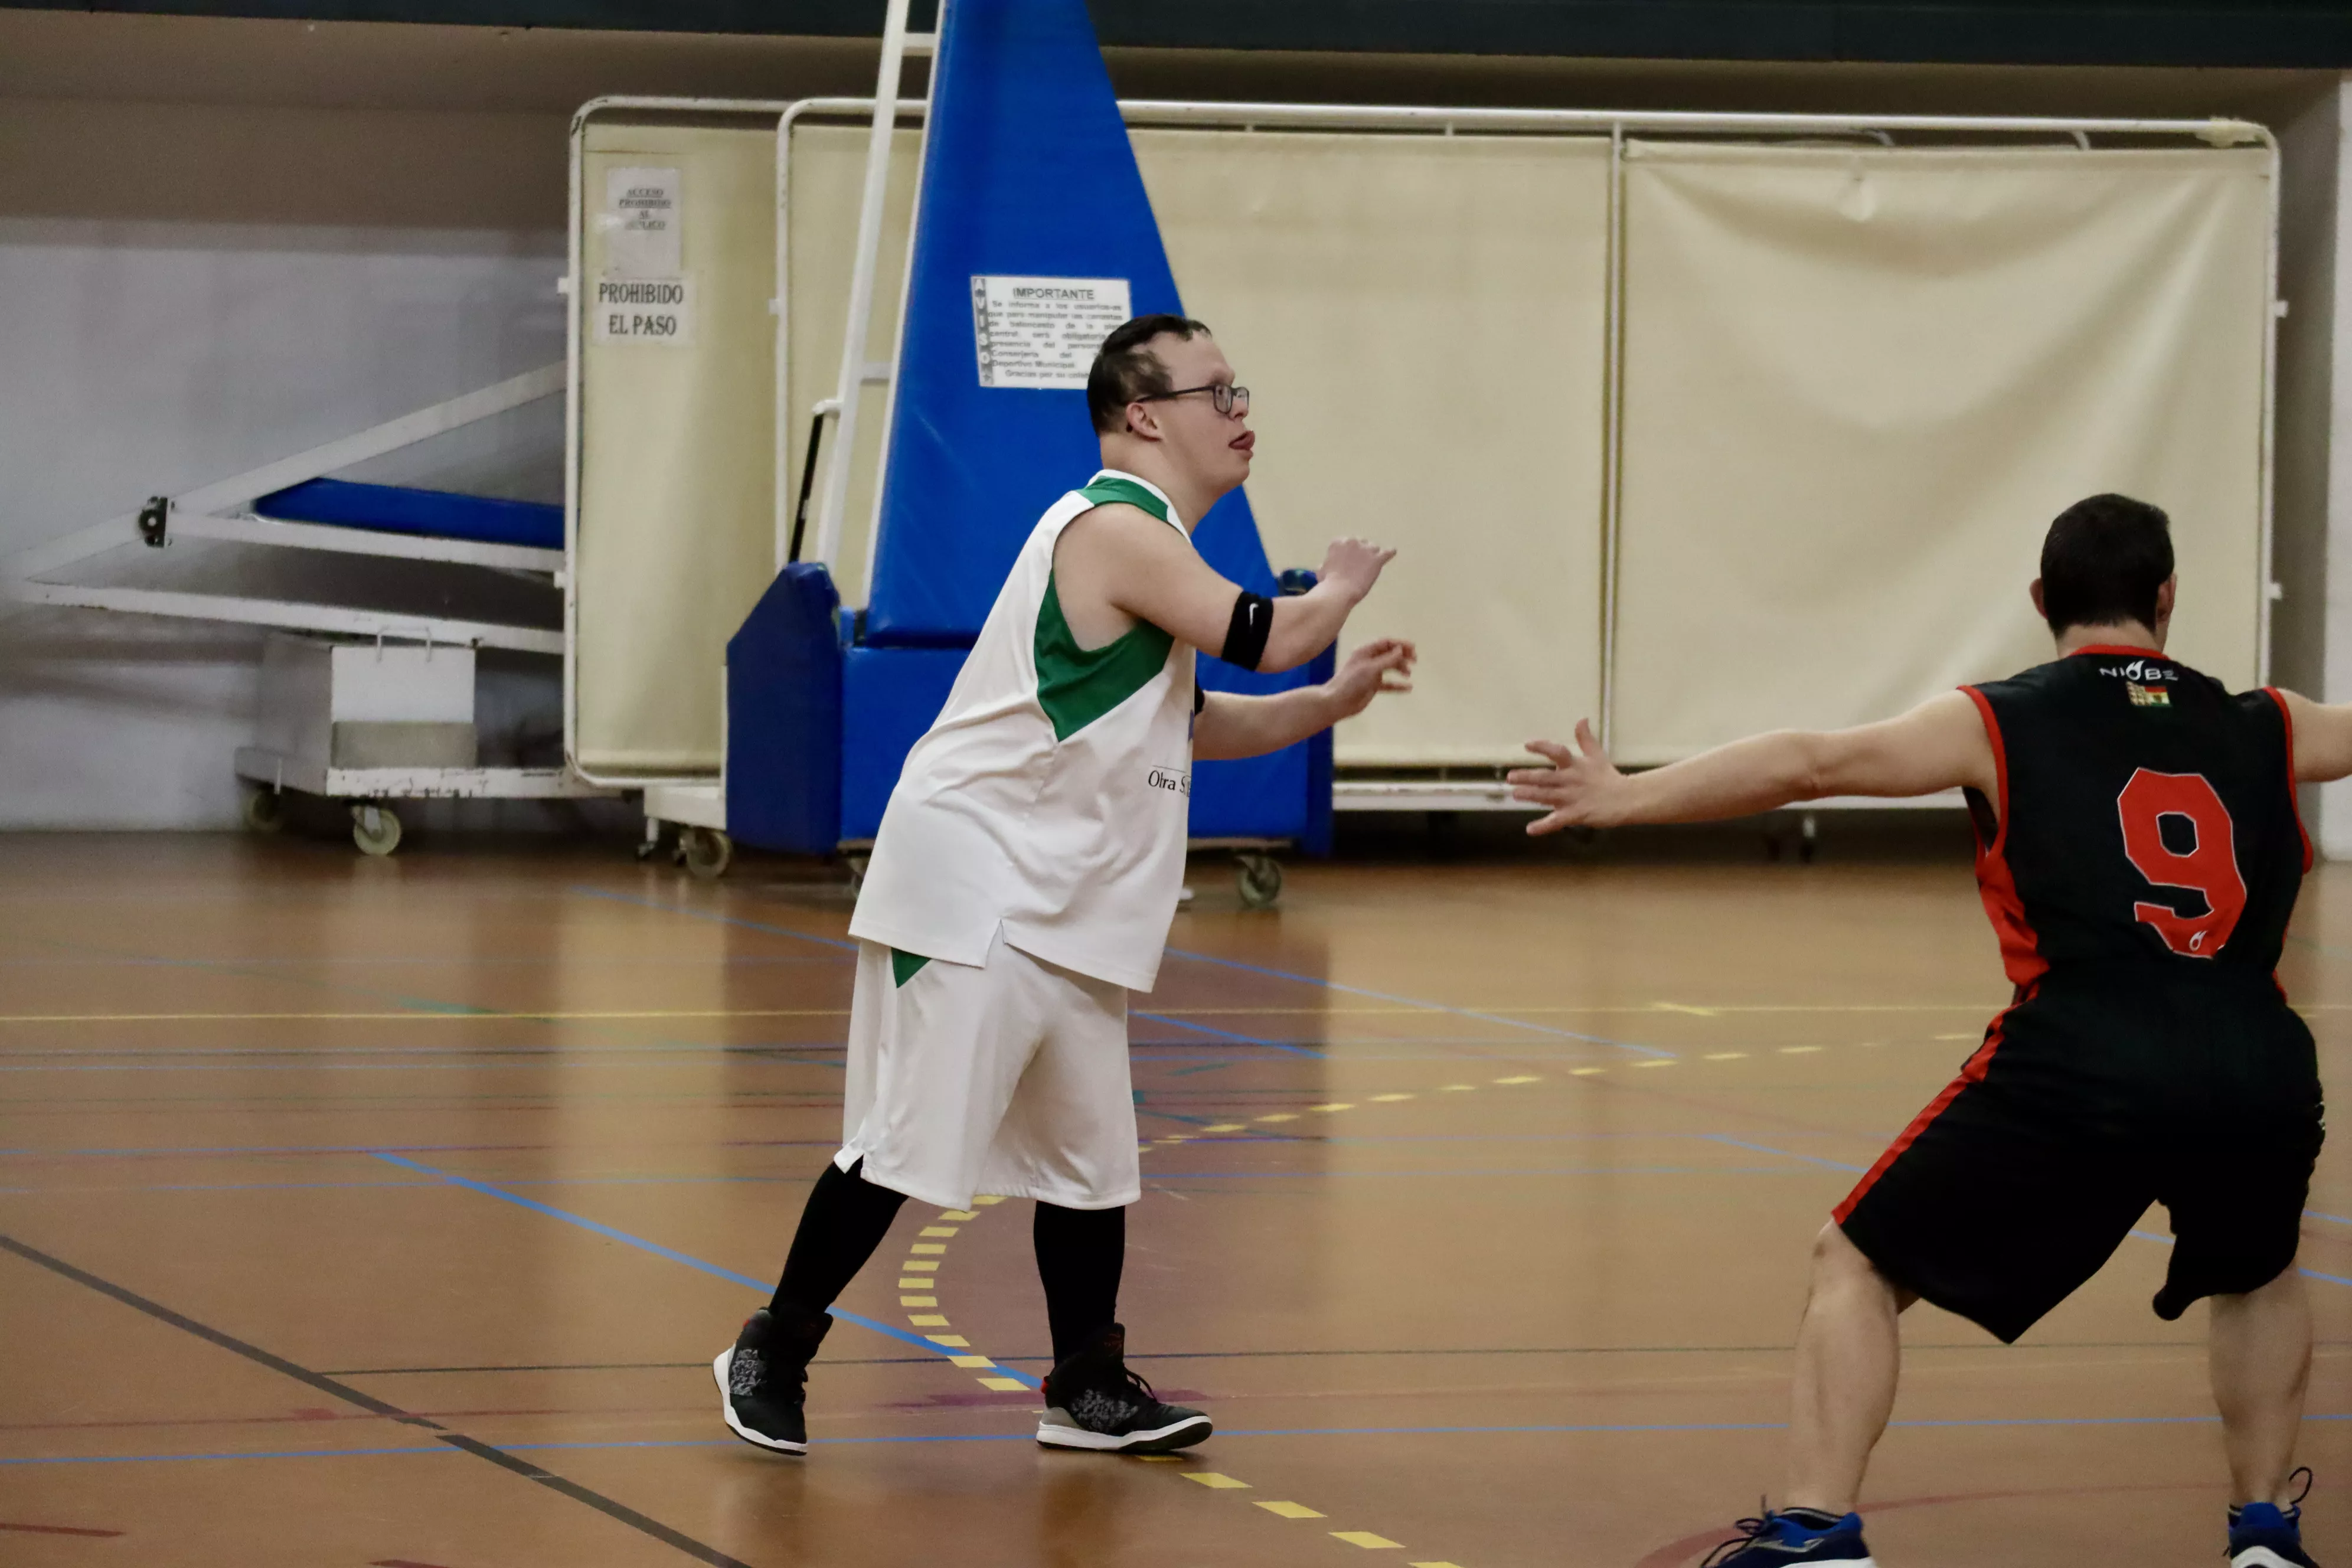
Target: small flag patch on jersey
2148 696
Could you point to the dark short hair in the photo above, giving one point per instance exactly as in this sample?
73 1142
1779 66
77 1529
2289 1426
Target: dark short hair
2103 561
1125 368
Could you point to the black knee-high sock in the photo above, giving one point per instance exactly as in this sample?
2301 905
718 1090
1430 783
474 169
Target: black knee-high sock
844 1221
1080 1255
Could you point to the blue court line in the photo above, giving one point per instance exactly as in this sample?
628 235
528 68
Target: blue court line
1784 1154
610 1234
1178 953
588 892
1416 1002
1229 1035
1595 1429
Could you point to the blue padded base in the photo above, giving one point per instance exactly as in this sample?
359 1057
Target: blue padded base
888 698
783 717
438 514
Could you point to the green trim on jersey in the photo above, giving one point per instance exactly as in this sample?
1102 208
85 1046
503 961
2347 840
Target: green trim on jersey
905 966
1076 686
1108 490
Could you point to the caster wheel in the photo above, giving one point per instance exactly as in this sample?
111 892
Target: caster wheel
856 866
1259 877
707 852
375 829
265 810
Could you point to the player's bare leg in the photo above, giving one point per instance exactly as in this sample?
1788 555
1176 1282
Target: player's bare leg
2259 1352
1849 1358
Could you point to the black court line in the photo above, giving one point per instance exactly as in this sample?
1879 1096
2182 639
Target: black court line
931 1361
608 1506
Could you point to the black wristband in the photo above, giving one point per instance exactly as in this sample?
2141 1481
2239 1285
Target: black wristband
1246 633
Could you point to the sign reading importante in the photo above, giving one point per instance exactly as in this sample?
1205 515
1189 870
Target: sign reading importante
1042 331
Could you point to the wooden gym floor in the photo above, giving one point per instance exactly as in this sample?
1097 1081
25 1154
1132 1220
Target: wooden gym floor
389 1212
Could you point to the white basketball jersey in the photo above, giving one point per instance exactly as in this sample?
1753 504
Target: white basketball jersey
1050 796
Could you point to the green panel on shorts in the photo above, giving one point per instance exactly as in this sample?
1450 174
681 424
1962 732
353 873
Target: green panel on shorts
1077 686
905 966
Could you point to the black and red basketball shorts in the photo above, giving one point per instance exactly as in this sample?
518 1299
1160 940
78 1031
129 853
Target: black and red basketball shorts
2091 1098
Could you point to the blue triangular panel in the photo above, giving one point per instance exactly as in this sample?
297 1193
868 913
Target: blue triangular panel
1028 174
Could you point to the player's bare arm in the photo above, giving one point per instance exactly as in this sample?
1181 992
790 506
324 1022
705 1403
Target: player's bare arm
1232 725
2323 738
1938 745
1118 565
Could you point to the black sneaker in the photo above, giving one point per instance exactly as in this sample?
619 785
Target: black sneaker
763 1379
1093 1401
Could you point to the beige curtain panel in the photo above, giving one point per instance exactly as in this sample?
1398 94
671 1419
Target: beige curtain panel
1422 323
1860 381
677 477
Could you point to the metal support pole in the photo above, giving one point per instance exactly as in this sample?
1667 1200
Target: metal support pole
852 380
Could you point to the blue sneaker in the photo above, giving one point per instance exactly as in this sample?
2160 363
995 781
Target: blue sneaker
1797 1535
2264 1535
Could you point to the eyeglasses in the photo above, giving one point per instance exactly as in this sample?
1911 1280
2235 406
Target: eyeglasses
1223 395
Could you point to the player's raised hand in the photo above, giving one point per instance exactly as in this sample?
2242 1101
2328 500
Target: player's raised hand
1377 666
1353 565
1576 790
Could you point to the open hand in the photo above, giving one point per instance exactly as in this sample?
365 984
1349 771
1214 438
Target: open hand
1353 565
1577 790
1375 667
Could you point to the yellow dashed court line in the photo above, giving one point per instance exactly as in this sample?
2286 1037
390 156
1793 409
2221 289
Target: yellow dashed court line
1727 1055
1364 1537
1290 1511
1654 1062
1214 1481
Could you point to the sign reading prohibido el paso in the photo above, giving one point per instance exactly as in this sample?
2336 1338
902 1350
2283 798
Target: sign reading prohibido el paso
642 293
1042 331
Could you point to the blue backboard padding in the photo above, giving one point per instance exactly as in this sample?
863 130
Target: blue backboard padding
1028 173
783 717
890 695
396 509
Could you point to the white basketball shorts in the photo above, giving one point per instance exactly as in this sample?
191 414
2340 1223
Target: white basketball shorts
1010 1078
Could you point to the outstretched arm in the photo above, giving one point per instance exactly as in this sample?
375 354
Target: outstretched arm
1233 726
1130 560
1937 745
2323 738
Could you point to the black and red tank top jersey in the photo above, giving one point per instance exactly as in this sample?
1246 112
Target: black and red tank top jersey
2148 818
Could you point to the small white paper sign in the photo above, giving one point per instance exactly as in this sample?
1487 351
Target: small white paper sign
642 311
1042 331
640 222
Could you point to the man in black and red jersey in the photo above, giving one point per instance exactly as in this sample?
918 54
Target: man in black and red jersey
2139 852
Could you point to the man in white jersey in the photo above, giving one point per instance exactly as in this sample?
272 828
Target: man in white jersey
1025 875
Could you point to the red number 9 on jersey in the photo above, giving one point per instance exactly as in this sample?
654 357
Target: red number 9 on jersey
2210 867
